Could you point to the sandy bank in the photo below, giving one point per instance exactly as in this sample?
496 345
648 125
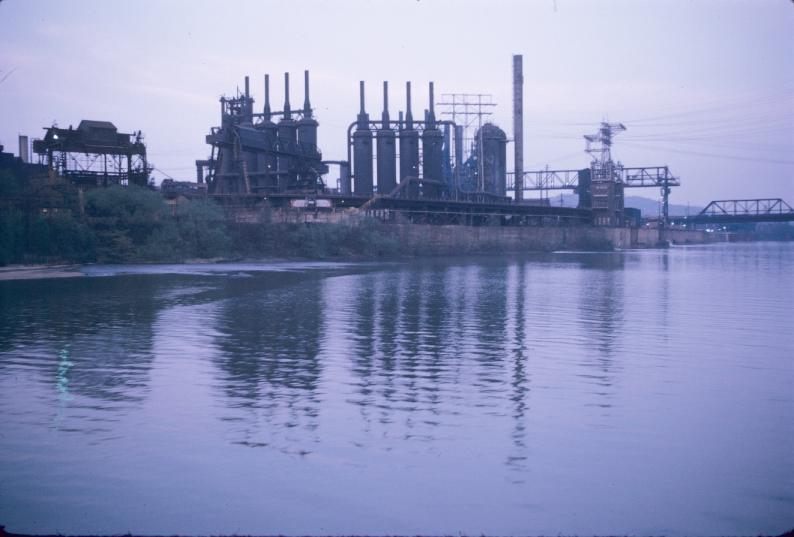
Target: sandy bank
34 272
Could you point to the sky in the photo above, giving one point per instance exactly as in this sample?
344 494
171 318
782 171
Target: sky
704 87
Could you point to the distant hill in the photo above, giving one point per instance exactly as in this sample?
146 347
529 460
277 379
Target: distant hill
648 206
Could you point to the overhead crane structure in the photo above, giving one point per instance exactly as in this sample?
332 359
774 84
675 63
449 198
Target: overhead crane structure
604 178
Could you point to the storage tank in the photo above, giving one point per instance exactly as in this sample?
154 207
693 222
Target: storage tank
493 142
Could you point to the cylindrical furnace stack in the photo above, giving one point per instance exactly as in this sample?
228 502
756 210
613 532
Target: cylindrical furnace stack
409 145
307 128
288 140
387 150
432 146
362 151
266 160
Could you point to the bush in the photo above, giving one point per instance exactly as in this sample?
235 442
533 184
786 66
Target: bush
124 219
135 224
201 229
12 235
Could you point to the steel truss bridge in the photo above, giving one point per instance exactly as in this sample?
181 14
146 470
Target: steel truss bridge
741 211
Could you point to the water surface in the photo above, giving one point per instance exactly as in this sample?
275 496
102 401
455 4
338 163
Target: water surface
640 392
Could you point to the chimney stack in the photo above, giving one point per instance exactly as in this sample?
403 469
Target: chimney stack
518 125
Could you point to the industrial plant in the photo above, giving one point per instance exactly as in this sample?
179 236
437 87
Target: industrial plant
409 167
406 168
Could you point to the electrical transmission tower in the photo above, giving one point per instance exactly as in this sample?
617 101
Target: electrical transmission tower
599 145
467 110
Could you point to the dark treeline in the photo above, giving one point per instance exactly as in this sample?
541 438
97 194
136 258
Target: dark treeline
132 224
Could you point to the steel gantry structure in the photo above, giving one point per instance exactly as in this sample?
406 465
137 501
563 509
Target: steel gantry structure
603 172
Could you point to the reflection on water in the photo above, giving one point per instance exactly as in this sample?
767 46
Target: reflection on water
574 393
268 340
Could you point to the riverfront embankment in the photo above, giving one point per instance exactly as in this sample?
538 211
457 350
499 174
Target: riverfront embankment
133 225
368 242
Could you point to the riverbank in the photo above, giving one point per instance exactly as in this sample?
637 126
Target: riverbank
37 272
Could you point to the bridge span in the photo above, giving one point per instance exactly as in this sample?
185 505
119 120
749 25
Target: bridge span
741 211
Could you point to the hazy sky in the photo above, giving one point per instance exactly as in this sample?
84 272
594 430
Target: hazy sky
706 87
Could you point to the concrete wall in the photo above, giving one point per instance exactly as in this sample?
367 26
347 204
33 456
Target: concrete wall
452 240
646 238
425 239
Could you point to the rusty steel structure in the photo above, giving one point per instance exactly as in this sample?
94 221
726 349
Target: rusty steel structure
253 155
94 154
413 165
427 169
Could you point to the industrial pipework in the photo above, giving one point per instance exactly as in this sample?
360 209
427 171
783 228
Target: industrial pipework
436 179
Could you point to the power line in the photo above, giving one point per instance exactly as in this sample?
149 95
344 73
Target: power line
712 155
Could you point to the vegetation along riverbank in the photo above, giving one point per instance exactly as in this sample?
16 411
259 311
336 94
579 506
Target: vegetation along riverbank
124 225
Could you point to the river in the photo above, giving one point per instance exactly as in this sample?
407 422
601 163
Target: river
640 392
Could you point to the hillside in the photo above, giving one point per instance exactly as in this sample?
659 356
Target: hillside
648 206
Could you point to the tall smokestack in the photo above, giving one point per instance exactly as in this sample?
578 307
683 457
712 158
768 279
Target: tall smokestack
267 98
307 107
409 118
287 111
431 114
385 115
518 124
361 97
249 109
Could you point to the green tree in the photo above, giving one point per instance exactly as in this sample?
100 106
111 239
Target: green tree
201 229
124 219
